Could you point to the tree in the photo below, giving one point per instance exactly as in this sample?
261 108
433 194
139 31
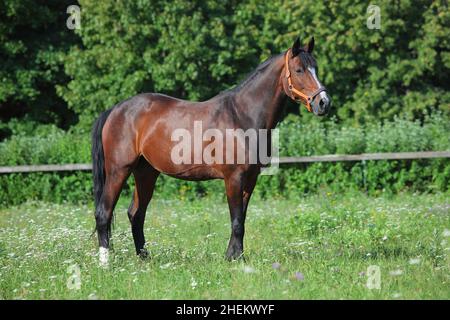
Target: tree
401 68
33 41
195 49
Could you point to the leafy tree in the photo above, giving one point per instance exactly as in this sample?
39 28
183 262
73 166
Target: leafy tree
195 49
33 41
191 50
401 68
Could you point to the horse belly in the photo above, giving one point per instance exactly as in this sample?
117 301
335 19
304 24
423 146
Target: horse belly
158 153
197 174
164 164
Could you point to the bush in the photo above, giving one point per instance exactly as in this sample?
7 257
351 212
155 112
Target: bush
54 146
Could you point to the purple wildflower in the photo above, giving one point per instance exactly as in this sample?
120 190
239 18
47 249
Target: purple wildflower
299 276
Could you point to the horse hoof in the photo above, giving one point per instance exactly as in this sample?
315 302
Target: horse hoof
235 256
143 254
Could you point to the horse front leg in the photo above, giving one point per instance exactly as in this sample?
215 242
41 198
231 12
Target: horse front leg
249 186
234 188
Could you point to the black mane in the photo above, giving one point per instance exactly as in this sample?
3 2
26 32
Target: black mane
260 68
306 58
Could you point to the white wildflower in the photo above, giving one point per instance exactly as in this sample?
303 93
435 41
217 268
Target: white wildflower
248 269
193 283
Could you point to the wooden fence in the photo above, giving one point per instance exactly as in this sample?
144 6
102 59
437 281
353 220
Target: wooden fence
281 160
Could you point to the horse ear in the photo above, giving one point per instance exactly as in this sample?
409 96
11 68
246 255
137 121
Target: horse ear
296 47
310 46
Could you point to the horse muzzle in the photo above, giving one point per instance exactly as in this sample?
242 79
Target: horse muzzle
321 104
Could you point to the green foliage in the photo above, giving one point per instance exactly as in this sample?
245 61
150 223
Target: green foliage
51 187
402 68
191 50
33 42
399 135
49 145
52 146
195 49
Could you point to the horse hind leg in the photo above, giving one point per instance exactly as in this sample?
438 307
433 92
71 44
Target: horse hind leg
145 178
114 182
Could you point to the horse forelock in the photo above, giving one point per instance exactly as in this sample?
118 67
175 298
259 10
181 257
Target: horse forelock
307 59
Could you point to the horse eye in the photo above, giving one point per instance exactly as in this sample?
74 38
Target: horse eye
299 70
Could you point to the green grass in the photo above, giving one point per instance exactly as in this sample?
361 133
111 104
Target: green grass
330 239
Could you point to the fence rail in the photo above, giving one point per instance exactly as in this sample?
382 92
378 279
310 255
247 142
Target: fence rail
47 168
281 160
368 156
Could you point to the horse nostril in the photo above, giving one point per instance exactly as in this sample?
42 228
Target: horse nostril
321 103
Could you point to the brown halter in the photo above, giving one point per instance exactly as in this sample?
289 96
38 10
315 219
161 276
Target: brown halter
300 95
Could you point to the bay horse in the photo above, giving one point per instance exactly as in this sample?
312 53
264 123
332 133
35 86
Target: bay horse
134 137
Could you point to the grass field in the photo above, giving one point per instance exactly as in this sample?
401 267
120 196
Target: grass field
316 247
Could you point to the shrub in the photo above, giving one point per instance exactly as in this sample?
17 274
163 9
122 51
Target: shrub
53 146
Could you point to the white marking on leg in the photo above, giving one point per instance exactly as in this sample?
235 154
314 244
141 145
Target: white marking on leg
103 256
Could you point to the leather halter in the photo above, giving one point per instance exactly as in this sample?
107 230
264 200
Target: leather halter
296 94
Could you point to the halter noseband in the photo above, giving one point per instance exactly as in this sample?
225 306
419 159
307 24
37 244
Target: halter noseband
300 95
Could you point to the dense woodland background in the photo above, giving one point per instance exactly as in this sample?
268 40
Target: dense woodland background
390 86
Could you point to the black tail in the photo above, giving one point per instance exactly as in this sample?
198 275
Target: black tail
98 158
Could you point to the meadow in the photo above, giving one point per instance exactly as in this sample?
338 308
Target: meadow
313 247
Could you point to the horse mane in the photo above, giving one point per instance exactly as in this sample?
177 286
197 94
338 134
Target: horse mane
306 58
259 69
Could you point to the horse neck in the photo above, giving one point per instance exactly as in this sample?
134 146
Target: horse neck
261 99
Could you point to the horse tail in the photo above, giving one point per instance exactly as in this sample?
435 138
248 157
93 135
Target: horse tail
98 157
